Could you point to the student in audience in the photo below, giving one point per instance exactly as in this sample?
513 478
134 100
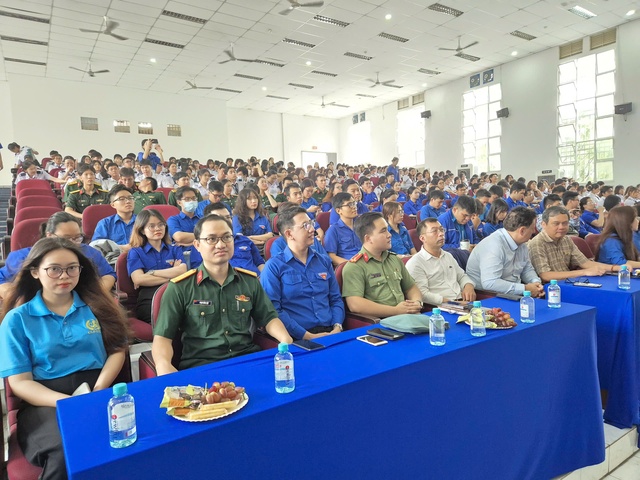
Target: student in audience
457 223
500 263
351 187
434 208
181 226
215 195
301 283
592 215
31 171
516 195
269 202
148 154
577 226
152 261
308 202
182 179
146 194
368 188
341 241
375 281
495 216
389 195
203 181
245 253
615 245
146 170
402 196
60 225
250 220
412 206
611 202
321 189
605 191
165 179
334 189
555 256
228 197
112 178
401 243
550 200
436 273
118 227
632 196
192 302
87 195
57 286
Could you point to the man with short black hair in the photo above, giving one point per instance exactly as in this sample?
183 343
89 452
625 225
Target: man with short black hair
181 226
181 179
146 194
118 227
435 206
147 154
500 263
216 193
516 195
87 195
375 281
458 225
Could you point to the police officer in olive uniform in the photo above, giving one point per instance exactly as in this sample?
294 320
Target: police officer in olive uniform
375 281
211 307
90 193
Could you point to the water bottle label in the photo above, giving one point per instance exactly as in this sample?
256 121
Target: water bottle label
284 370
554 297
524 311
123 417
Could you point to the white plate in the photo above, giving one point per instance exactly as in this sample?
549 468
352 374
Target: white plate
241 405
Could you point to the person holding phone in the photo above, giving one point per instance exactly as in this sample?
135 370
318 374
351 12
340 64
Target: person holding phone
147 153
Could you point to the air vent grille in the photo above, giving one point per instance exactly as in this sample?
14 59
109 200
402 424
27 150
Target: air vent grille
180 16
465 56
602 39
395 38
326 74
416 99
438 7
301 85
429 72
357 55
330 21
522 35
570 49
163 43
403 103
298 43
23 40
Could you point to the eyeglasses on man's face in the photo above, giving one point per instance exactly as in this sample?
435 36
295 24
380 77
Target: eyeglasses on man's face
125 199
306 226
227 238
350 205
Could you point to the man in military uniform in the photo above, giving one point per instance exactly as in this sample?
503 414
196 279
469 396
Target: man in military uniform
90 193
181 179
146 194
211 307
375 281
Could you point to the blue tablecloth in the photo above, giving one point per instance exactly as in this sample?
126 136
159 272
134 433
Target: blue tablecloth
618 330
522 403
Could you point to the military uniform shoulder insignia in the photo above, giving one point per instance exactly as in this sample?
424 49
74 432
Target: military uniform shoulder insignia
103 190
248 272
188 274
74 191
356 257
391 253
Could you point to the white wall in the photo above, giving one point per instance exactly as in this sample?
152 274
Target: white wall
6 130
302 133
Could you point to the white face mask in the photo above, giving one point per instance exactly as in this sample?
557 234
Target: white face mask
190 207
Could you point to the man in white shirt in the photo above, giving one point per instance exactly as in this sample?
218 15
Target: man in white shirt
437 274
21 153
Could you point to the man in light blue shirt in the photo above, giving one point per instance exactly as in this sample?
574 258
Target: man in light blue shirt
500 262
301 283
118 227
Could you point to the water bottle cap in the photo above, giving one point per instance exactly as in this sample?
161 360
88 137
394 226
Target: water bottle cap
554 282
436 311
119 389
477 304
527 293
623 268
283 347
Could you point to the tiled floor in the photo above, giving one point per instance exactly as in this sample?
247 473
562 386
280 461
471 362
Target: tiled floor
629 470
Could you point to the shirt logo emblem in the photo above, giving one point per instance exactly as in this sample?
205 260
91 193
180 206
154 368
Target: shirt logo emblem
242 298
323 275
93 326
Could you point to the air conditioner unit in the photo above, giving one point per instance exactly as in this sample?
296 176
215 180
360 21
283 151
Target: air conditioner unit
548 175
467 169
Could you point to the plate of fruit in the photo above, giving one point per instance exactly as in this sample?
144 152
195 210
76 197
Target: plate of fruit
202 404
495 319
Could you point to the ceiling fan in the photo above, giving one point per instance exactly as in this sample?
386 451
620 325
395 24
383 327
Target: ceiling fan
89 72
332 104
377 81
233 58
109 27
459 49
193 86
295 4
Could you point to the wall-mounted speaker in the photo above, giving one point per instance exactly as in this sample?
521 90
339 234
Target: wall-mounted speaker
623 108
503 113
426 114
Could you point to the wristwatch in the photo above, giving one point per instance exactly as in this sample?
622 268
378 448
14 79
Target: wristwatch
151 272
339 325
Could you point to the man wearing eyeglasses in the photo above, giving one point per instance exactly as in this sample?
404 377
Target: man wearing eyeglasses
118 227
300 282
181 179
341 242
437 274
212 306
216 193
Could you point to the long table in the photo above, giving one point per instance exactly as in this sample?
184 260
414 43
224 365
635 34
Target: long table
521 403
618 330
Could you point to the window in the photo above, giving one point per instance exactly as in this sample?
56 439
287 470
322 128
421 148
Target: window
145 128
174 130
586 87
121 126
89 123
481 129
410 137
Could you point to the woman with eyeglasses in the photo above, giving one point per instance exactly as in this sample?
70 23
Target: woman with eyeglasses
61 225
615 245
152 260
249 218
59 330
401 242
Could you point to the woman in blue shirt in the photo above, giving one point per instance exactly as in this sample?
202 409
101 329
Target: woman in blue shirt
615 245
308 202
51 342
334 189
412 207
497 213
400 239
249 218
152 260
591 215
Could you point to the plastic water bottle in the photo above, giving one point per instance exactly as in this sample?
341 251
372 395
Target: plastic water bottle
554 294
527 308
436 328
283 363
122 417
476 318
624 278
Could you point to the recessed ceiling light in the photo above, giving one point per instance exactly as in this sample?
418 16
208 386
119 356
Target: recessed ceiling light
388 16
424 84
308 63
152 60
514 53
631 12
264 89
582 12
